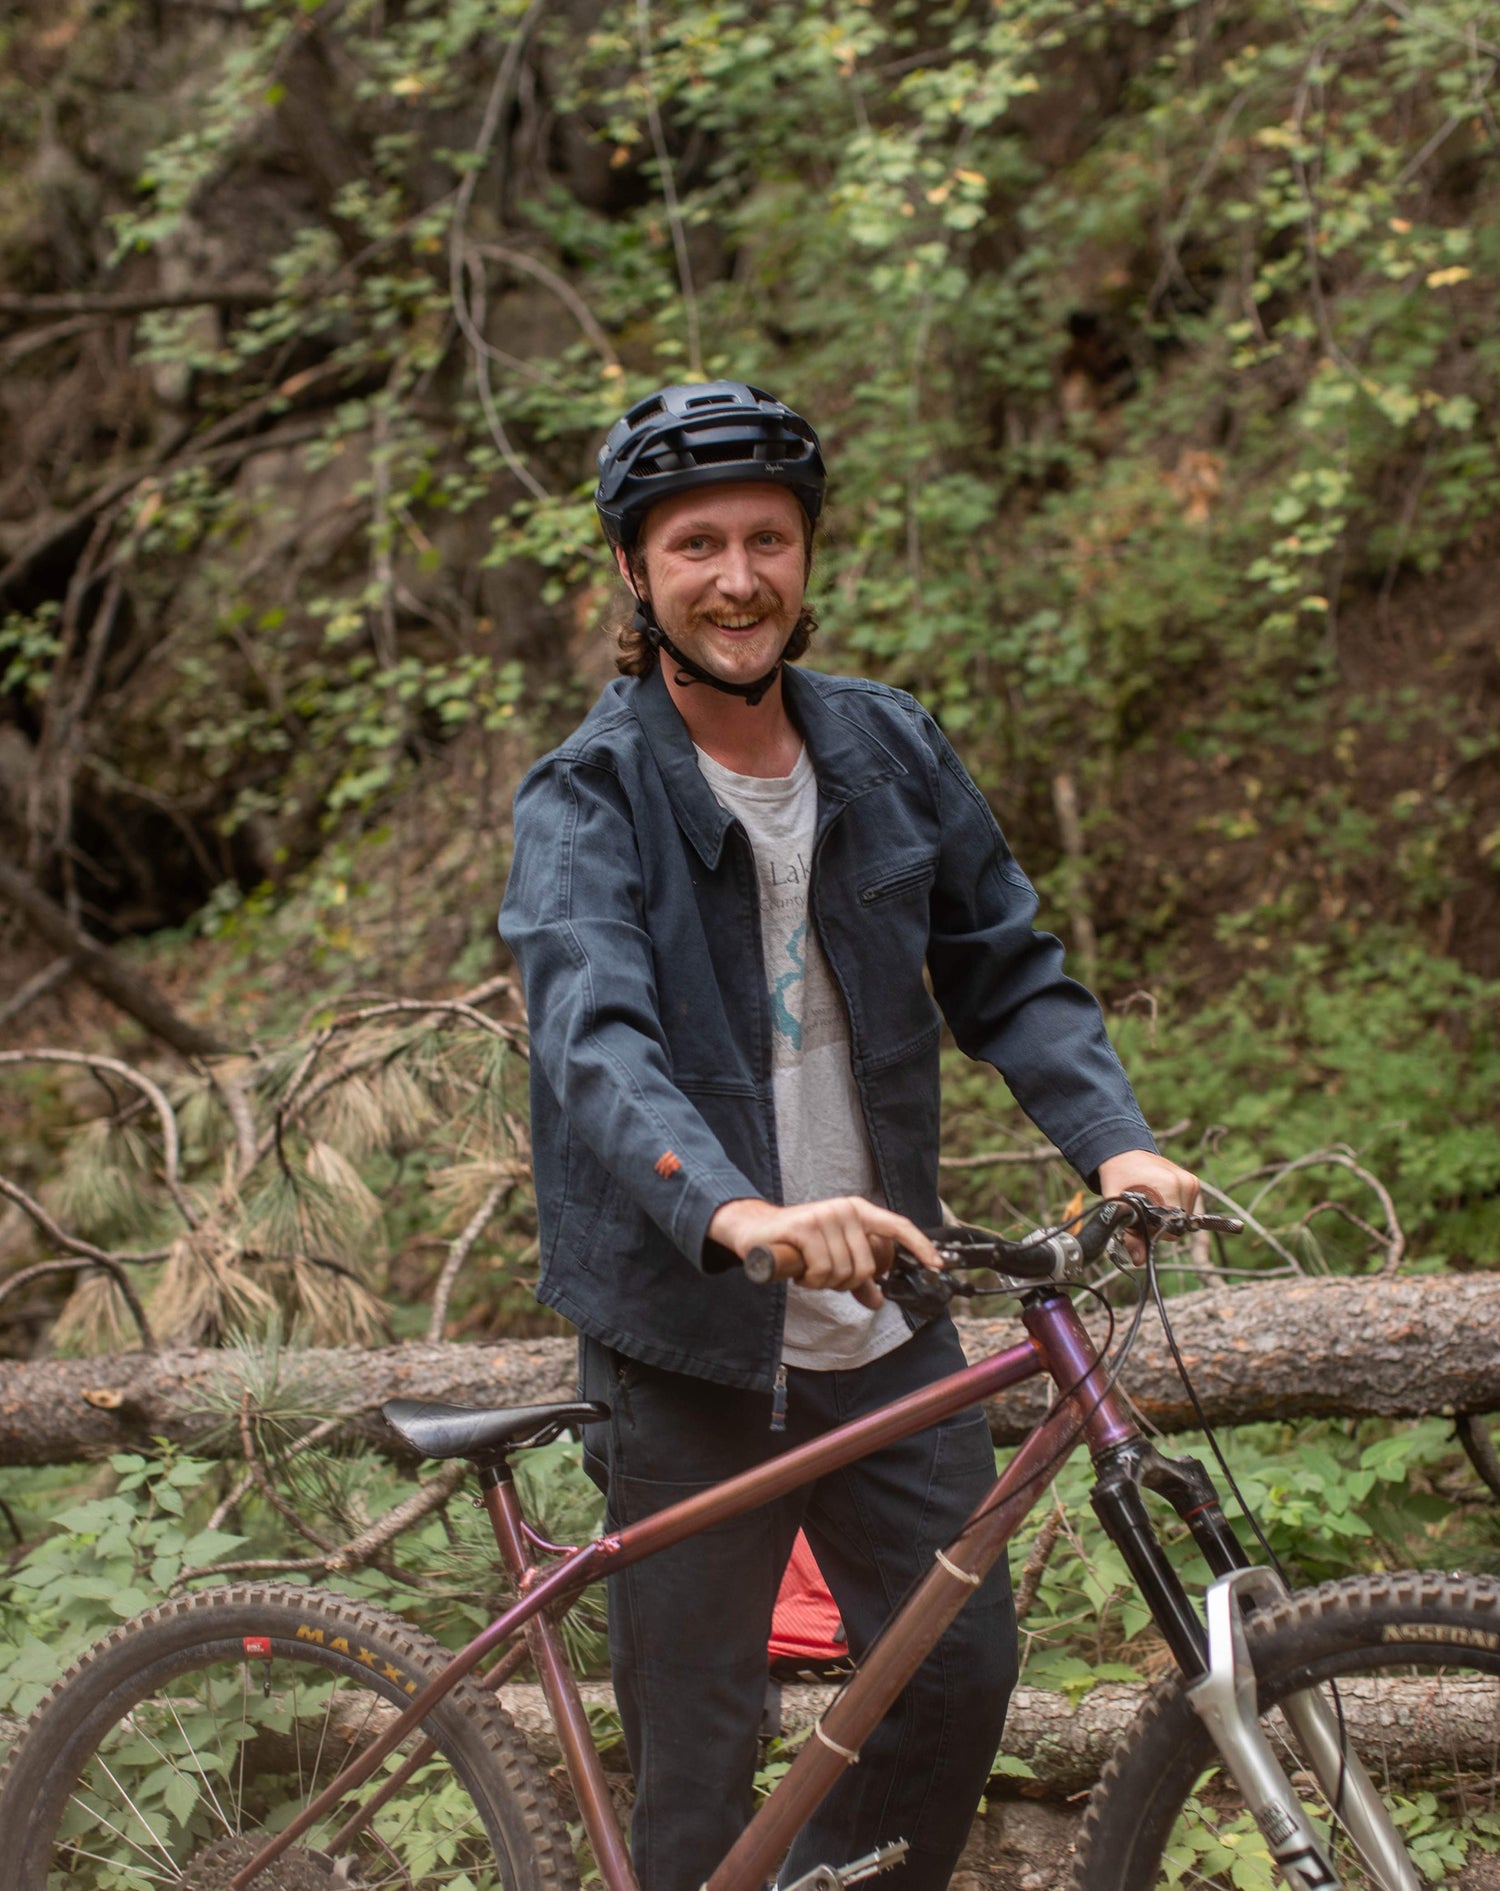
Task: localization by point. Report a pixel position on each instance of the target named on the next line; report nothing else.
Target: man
(729, 890)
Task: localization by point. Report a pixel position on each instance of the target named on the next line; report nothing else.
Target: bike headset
(709, 433)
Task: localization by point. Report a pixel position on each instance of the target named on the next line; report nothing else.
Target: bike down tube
(895, 1657)
(782, 1474)
(1090, 1408)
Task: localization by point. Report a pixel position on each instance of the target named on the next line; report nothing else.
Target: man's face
(725, 571)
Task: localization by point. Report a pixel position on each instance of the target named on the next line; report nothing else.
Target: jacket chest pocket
(909, 876)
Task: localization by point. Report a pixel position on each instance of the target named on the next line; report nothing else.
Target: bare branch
(461, 259)
(1043, 1152)
(996, 1158)
(1036, 1562)
(560, 287)
(32, 340)
(459, 1252)
(48, 979)
(107, 974)
(153, 1094)
(669, 189)
(227, 295)
(1395, 1238)
(429, 1498)
(231, 1090)
(1227, 1201)
(70, 1243)
(360, 1550)
(110, 1265)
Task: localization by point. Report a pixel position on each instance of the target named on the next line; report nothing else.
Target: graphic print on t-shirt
(787, 991)
(806, 1012)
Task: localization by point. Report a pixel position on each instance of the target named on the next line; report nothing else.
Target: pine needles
(277, 1187)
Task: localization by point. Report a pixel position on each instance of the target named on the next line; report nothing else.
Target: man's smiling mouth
(739, 621)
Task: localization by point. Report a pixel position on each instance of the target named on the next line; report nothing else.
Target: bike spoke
(114, 1864)
(199, 1777)
(98, 1818)
(150, 1830)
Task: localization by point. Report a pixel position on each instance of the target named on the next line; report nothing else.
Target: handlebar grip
(778, 1260)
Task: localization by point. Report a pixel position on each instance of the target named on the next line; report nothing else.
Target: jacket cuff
(1113, 1137)
(688, 1218)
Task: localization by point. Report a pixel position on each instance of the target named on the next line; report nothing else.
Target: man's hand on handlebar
(844, 1243)
(1142, 1172)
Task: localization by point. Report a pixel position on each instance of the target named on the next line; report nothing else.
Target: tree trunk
(133, 994)
(1354, 1348)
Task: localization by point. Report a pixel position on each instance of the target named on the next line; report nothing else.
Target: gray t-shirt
(820, 1129)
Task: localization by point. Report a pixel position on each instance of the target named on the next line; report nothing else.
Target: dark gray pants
(688, 1628)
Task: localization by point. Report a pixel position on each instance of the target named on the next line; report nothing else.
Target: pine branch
(153, 1093)
(109, 1263)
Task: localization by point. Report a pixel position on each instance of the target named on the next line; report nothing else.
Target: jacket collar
(847, 758)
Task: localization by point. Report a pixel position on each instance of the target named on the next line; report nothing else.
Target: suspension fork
(1125, 1470)
(1221, 1677)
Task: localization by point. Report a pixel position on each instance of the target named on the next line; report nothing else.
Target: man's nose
(734, 576)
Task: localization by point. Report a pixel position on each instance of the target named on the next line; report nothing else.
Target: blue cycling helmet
(709, 433)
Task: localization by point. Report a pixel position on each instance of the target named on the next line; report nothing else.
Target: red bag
(805, 1625)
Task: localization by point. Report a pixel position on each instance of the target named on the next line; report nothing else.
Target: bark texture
(1411, 1724)
(1359, 1348)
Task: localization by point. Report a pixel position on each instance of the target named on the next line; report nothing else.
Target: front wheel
(1416, 1663)
(170, 1753)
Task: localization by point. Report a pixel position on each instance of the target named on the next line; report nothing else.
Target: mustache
(763, 604)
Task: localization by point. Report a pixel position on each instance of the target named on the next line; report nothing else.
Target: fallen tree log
(1414, 1724)
(1356, 1348)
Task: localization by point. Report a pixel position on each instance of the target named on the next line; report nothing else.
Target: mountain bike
(265, 1735)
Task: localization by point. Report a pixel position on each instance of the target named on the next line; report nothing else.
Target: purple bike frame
(1058, 1344)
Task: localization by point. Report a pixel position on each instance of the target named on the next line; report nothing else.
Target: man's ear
(624, 563)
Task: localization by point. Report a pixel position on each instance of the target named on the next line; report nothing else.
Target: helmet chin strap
(644, 622)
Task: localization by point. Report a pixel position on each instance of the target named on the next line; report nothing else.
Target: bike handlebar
(777, 1260)
(1048, 1254)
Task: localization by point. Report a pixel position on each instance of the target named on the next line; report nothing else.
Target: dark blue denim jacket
(633, 912)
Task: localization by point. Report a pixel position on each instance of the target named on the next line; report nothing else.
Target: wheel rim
(217, 1755)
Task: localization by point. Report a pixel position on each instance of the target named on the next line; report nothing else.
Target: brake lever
(1156, 1218)
(922, 1289)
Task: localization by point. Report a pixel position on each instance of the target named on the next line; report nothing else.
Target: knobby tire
(170, 1751)
(1418, 1657)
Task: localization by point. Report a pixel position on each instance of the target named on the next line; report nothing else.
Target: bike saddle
(436, 1430)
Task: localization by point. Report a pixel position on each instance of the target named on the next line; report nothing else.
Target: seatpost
(574, 1736)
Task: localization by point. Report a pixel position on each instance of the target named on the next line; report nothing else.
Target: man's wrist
(732, 1223)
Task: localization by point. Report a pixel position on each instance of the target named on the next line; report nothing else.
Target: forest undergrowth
(1154, 349)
